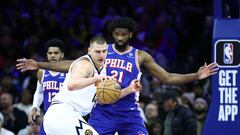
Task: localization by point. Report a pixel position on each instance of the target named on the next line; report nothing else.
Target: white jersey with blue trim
(82, 100)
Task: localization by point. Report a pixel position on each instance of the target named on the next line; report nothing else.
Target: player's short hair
(54, 42)
(98, 39)
(122, 22)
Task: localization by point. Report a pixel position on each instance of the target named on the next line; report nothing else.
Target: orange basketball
(108, 91)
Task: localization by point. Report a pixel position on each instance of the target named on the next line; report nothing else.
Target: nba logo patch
(228, 53)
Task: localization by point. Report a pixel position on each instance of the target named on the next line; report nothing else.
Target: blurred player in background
(123, 62)
(49, 82)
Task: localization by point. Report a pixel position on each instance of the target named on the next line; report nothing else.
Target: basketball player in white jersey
(75, 99)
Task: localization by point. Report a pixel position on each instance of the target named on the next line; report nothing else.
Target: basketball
(108, 91)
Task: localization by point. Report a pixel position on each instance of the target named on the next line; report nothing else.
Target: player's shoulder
(82, 62)
(144, 57)
(143, 54)
(40, 74)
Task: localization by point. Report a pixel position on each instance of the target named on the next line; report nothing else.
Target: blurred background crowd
(177, 33)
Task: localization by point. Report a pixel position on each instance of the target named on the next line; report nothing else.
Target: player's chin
(101, 62)
(120, 43)
(52, 60)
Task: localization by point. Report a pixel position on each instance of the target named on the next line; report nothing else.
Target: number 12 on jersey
(51, 95)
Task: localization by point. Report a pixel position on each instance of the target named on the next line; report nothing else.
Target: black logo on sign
(227, 53)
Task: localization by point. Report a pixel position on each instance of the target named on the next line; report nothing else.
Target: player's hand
(32, 116)
(135, 85)
(26, 64)
(102, 78)
(207, 70)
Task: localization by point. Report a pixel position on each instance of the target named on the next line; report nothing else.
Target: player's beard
(122, 47)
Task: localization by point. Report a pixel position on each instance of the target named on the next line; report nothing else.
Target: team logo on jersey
(88, 132)
(130, 55)
(228, 53)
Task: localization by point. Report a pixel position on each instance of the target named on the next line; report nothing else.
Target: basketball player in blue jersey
(49, 82)
(123, 62)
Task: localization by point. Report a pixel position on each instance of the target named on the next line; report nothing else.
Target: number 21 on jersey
(117, 75)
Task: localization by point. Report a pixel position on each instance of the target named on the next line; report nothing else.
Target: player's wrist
(34, 109)
(197, 76)
(96, 79)
(37, 65)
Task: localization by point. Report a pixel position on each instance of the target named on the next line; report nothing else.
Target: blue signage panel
(224, 117)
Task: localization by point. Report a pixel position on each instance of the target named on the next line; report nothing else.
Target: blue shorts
(108, 122)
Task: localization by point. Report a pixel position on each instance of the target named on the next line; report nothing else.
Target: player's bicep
(39, 75)
(81, 69)
(154, 69)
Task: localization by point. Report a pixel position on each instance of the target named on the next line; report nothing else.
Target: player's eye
(104, 51)
(97, 51)
(125, 34)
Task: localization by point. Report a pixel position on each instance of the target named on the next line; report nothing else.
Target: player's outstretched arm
(174, 78)
(134, 86)
(30, 64)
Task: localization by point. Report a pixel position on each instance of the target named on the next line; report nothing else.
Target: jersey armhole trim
(42, 78)
(136, 60)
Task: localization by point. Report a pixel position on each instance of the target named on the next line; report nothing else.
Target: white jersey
(82, 100)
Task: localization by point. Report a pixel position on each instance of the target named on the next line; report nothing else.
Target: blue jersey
(124, 115)
(125, 68)
(51, 84)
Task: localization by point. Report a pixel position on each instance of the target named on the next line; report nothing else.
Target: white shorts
(61, 119)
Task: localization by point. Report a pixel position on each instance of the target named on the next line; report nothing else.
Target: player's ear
(62, 56)
(89, 49)
(130, 34)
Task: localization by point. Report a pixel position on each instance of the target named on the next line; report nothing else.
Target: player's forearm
(81, 83)
(37, 101)
(38, 96)
(174, 78)
(61, 66)
(125, 92)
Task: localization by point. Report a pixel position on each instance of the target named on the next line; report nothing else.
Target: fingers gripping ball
(108, 92)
